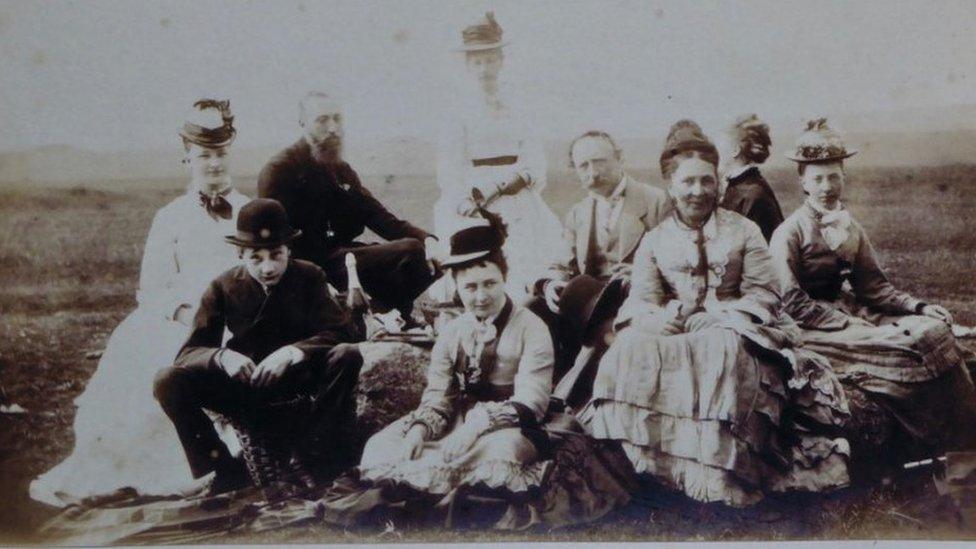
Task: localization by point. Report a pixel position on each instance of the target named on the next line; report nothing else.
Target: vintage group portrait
(486, 271)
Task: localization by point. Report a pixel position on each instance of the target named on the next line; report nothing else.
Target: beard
(326, 151)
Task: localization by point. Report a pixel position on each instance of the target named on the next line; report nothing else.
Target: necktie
(217, 205)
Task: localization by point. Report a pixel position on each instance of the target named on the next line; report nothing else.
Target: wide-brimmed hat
(262, 223)
(587, 302)
(483, 34)
(819, 143)
(209, 124)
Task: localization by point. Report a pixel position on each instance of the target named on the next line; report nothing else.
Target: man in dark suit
(286, 353)
(325, 199)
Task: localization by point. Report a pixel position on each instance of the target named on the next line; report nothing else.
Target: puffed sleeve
(760, 295)
(648, 295)
(437, 402)
(787, 265)
(160, 271)
(870, 284)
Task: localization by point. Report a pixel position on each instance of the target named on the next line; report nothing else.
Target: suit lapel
(631, 225)
(585, 237)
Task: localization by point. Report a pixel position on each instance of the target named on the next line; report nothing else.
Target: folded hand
(275, 365)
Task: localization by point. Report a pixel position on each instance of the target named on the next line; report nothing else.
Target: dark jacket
(297, 311)
(329, 216)
(750, 195)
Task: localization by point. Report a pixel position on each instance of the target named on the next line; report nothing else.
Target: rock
(390, 383)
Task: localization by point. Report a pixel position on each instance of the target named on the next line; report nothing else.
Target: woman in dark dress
(746, 190)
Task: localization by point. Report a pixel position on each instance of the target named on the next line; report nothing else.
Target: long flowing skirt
(122, 436)
(913, 367)
(703, 413)
(509, 479)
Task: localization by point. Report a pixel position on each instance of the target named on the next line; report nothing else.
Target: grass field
(69, 262)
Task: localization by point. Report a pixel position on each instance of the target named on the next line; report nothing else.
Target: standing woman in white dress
(122, 437)
(489, 149)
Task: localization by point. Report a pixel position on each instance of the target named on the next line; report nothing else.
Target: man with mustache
(325, 199)
(600, 234)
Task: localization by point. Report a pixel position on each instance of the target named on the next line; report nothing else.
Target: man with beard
(326, 201)
(600, 235)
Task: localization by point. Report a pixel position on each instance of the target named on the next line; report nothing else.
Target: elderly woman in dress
(488, 149)
(122, 438)
(695, 384)
(896, 348)
(746, 190)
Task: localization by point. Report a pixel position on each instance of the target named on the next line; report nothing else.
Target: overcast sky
(114, 75)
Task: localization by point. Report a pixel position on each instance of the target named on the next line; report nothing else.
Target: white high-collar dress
(484, 148)
(122, 436)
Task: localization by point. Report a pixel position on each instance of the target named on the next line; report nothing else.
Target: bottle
(356, 299)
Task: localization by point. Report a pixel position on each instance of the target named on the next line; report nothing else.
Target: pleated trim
(512, 476)
(714, 443)
(697, 480)
(816, 391)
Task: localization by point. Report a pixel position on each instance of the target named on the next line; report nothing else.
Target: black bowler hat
(262, 223)
(587, 302)
(478, 240)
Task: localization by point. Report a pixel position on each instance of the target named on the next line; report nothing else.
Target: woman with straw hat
(122, 437)
(487, 154)
(896, 348)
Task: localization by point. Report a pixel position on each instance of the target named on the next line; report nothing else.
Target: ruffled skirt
(556, 476)
(703, 413)
(914, 368)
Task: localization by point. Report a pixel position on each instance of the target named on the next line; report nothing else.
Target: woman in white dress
(122, 437)
(489, 149)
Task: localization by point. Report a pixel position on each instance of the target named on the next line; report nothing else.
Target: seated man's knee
(166, 384)
(410, 249)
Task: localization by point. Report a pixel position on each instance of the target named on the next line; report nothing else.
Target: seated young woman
(695, 385)
(897, 349)
(122, 438)
(483, 425)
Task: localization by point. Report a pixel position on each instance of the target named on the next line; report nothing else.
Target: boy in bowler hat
(285, 378)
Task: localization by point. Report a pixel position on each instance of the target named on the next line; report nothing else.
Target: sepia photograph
(487, 271)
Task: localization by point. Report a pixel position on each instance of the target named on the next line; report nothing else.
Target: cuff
(433, 420)
(492, 416)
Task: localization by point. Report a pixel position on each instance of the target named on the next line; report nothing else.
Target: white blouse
(185, 250)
